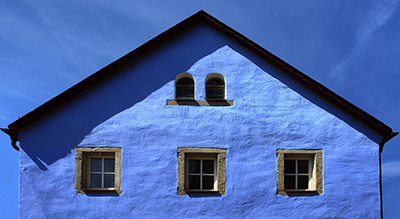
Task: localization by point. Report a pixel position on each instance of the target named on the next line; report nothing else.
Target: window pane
(185, 88)
(194, 182)
(215, 81)
(215, 92)
(185, 98)
(302, 166)
(215, 97)
(208, 166)
(208, 182)
(302, 182)
(109, 181)
(215, 89)
(290, 166)
(95, 180)
(185, 81)
(194, 166)
(184, 92)
(95, 165)
(290, 182)
(109, 165)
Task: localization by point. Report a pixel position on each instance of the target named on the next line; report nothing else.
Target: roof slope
(203, 17)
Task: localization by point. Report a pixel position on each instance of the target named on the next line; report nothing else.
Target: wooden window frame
(201, 173)
(178, 86)
(103, 172)
(310, 174)
(215, 87)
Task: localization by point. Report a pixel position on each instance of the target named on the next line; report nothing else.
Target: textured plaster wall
(129, 110)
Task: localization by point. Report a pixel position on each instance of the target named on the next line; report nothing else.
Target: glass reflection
(95, 165)
(194, 182)
(194, 166)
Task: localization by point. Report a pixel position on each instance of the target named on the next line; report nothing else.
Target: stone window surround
(81, 161)
(317, 172)
(221, 169)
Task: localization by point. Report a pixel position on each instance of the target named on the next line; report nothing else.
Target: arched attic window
(215, 87)
(184, 87)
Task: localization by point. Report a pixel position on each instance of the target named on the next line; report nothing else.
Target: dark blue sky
(351, 47)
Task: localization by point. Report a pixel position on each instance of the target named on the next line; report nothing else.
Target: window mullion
(201, 174)
(310, 165)
(89, 170)
(102, 172)
(215, 173)
(296, 174)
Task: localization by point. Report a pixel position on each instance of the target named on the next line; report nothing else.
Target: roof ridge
(202, 16)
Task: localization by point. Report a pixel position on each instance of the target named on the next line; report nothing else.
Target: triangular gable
(201, 17)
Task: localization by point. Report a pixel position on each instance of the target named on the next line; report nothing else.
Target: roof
(203, 17)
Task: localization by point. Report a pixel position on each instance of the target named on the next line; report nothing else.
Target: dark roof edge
(201, 16)
(13, 137)
(104, 73)
(309, 83)
(386, 139)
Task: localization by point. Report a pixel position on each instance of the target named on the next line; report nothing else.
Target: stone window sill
(208, 193)
(298, 193)
(199, 102)
(101, 191)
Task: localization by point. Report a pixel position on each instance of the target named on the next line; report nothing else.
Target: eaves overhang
(203, 17)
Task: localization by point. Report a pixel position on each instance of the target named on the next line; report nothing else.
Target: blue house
(199, 121)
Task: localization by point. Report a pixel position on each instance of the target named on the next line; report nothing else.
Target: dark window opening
(297, 174)
(215, 89)
(201, 174)
(184, 89)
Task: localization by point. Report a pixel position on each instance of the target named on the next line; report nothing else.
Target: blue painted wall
(129, 110)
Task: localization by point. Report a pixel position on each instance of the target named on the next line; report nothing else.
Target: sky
(351, 47)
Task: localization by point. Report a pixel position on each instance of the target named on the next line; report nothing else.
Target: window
(215, 91)
(184, 87)
(201, 171)
(98, 170)
(101, 172)
(215, 87)
(299, 172)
